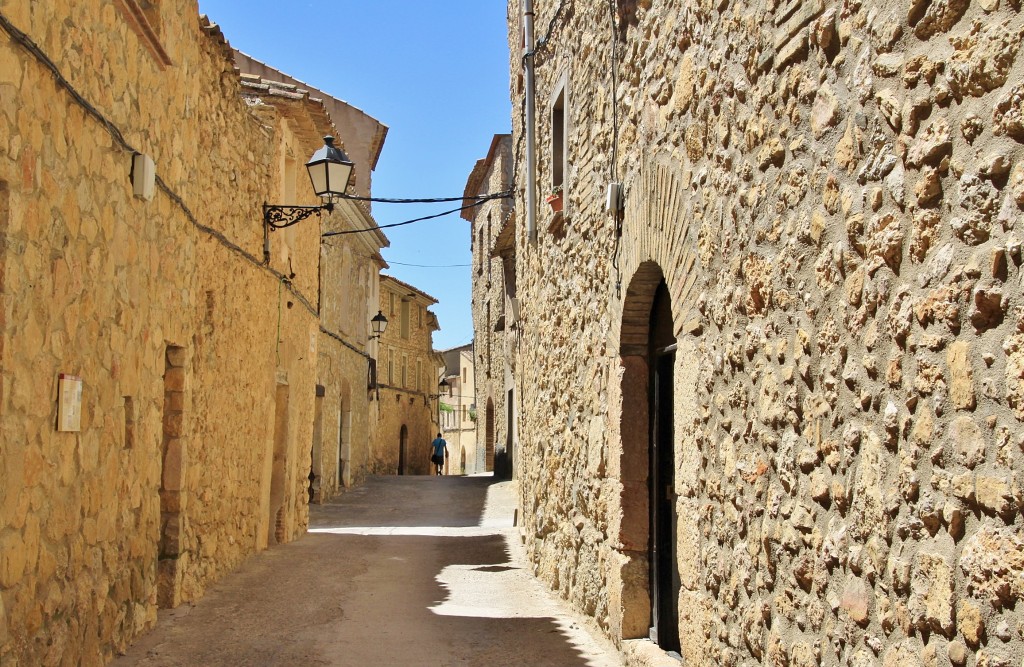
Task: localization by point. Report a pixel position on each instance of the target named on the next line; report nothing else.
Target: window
(464, 413)
(489, 238)
(391, 303)
(405, 371)
(371, 375)
(288, 176)
(480, 253)
(558, 139)
(419, 316)
(391, 367)
(405, 320)
(419, 375)
(559, 134)
(144, 18)
(463, 375)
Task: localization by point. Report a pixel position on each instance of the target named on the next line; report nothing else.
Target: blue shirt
(439, 446)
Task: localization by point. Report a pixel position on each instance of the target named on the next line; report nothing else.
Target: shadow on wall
(502, 464)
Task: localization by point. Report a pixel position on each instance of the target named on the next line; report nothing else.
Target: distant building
(406, 382)
(495, 306)
(458, 412)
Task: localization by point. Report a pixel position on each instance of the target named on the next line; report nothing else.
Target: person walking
(440, 452)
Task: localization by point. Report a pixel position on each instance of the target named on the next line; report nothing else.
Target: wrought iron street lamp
(329, 171)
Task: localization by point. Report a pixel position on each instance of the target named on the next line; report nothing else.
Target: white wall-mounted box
(143, 176)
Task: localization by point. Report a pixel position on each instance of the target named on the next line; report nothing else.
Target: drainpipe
(531, 156)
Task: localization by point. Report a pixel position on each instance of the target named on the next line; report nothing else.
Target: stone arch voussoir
(659, 241)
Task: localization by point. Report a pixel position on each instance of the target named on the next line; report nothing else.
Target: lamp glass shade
(378, 323)
(444, 388)
(329, 169)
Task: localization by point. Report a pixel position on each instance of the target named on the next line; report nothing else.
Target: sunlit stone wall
(834, 194)
(197, 359)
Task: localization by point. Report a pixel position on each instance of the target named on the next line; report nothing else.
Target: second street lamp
(378, 323)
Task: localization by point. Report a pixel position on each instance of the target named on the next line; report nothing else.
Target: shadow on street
(398, 588)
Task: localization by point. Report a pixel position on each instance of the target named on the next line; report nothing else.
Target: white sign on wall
(69, 403)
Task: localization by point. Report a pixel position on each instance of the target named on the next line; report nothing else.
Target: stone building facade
(803, 329)
(495, 304)
(344, 426)
(158, 361)
(350, 264)
(458, 413)
(408, 369)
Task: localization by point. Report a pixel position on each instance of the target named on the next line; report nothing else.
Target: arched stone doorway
(345, 461)
(489, 436)
(650, 578)
(318, 486)
(403, 449)
(277, 518)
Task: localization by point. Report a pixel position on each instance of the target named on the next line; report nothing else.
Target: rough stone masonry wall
(834, 193)
(173, 332)
(342, 370)
(489, 305)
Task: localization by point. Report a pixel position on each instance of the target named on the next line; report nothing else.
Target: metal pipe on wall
(531, 156)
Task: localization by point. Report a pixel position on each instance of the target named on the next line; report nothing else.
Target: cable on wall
(26, 43)
(543, 41)
(617, 214)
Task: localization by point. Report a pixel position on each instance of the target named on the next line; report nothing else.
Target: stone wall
(832, 194)
(347, 282)
(493, 274)
(198, 361)
(341, 449)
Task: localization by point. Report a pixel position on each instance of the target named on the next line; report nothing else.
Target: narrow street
(400, 571)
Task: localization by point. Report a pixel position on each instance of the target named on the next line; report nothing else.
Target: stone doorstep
(645, 653)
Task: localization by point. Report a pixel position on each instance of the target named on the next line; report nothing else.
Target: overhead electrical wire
(433, 200)
(430, 266)
(484, 199)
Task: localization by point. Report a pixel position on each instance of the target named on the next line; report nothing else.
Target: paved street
(400, 571)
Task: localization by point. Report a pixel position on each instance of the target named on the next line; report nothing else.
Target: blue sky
(436, 73)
